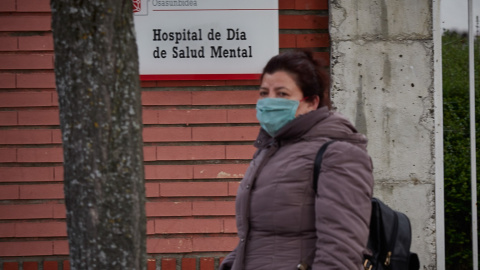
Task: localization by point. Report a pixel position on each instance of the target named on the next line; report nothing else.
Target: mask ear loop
(303, 99)
(308, 98)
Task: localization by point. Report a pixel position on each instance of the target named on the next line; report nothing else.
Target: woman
(281, 221)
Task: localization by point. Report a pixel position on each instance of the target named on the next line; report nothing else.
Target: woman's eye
(281, 94)
(263, 93)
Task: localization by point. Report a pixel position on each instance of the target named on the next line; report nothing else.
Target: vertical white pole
(472, 135)
(439, 158)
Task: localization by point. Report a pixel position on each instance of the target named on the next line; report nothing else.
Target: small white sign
(205, 39)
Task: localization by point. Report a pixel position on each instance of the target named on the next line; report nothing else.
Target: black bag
(390, 234)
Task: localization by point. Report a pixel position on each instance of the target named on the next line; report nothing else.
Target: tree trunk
(96, 68)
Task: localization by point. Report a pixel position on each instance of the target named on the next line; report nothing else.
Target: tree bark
(96, 69)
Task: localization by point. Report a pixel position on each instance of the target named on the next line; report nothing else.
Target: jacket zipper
(272, 149)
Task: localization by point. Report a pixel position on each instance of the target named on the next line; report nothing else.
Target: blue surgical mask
(275, 113)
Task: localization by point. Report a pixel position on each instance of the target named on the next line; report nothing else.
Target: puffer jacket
(281, 222)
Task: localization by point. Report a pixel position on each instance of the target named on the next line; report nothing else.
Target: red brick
(36, 43)
(313, 40)
(10, 266)
(224, 97)
(26, 61)
(7, 80)
(167, 134)
(60, 248)
(168, 209)
(229, 225)
(39, 117)
(207, 171)
(36, 80)
(31, 248)
(303, 22)
(168, 172)
(8, 44)
(34, 192)
(287, 41)
(189, 264)
(207, 263)
(50, 265)
(8, 118)
(188, 225)
(168, 264)
(152, 190)
(8, 155)
(37, 6)
(150, 227)
(150, 117)
(240, 151)
(166, 98)
(26, 174)
(58, 173)
(151, 264)
(224, 133)
(41, 229)
(233, 187)
(213, 208)
(191, 116)
(55, 99)
(59, 211)
(10, 192)
(25, 99)
(242, 116)
(207, 116)
(169, 245)
(66, 265)
(286, 4)
(195, 189)
(149, 153)
(196, 152)
(25, 23)
(172, 116)
(40, 155)
(30, 265)
(26, 211)
(311, 4)
(7, 230)
(56, 136)
(214, 243)
(26, 136)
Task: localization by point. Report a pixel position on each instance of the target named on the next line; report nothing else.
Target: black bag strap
(318, 164)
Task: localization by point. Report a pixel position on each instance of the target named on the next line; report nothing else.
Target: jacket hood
(316, 124)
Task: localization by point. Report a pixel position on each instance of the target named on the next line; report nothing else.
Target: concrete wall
(382, 63)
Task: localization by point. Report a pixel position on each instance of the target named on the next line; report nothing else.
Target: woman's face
(281, 84)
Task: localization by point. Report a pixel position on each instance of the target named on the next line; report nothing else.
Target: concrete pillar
(383, 80)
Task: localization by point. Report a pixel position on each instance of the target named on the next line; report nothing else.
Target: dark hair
(307, 72)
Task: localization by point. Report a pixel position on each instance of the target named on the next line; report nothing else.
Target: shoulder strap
(318, 164)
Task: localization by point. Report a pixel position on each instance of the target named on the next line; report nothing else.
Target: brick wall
(197, 134)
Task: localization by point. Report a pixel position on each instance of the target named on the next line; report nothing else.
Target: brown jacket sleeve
(343, 207)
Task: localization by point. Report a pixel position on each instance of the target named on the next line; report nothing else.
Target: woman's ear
(314, 101)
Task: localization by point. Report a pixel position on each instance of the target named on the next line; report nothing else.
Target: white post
(472, 135)
(439, 157)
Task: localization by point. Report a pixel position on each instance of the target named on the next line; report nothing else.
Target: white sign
(205, 39)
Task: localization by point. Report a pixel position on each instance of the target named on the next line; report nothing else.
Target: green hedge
(457, 147)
